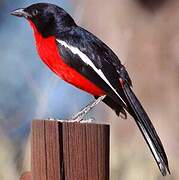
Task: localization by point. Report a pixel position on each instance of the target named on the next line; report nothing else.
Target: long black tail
(148, 131)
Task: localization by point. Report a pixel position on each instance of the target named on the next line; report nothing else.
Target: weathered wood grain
(69, 151)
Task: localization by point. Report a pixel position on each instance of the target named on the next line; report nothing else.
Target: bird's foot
(73, 120)
(82, 120)
(59, 120)
(90, 120)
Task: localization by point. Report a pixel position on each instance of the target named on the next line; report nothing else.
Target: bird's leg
(80, 115)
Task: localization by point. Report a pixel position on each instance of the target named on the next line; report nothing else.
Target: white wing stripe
(86, 60)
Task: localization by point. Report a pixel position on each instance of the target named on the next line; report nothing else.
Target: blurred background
(145, 36)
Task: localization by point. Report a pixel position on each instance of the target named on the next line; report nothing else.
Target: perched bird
(83, 60)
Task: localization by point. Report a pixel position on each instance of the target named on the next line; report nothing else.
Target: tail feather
(147, 129)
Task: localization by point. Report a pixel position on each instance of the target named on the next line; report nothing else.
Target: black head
(48, 19)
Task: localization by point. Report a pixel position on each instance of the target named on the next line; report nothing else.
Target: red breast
(49, 53)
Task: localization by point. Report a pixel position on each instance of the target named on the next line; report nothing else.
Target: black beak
(20, 13)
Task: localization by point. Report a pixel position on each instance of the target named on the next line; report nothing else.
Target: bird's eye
(35, 12)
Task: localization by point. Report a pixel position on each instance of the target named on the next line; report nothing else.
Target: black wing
(100, 55)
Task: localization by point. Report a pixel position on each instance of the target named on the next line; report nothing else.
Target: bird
(83, 60)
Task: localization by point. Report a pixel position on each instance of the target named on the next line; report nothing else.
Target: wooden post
(69, 151)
